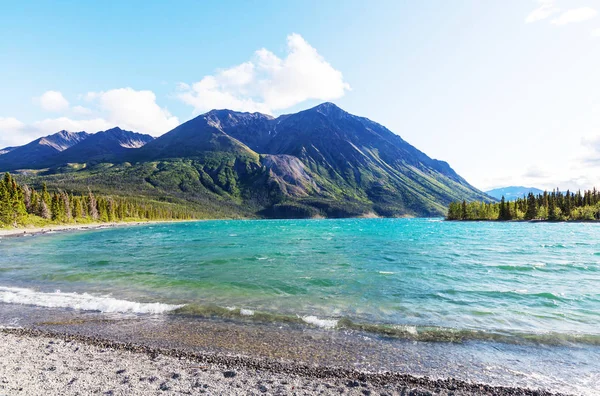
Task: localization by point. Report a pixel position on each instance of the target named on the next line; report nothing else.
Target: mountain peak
(329, 109)
(226, 119)
(115, 129)
(228, 112)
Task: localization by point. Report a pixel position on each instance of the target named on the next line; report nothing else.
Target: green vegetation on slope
(553, 206)
(21, 205)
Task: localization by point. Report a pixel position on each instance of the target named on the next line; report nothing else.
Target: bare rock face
(290, 174)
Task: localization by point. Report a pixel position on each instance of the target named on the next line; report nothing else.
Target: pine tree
(92, 206)
(55, 208)
(464, 214)
(66, 207)
(531, 207)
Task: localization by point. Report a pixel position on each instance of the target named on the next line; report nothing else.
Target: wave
(215, 311)
(401, 331)
(445, 334)
(324, 323)
(84, 301)
(106, 304)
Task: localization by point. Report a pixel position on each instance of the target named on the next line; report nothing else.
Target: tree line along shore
(549, 206)
(21, 206)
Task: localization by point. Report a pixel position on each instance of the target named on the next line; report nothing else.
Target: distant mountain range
(72, 147)
(513, 192)
(318, 162)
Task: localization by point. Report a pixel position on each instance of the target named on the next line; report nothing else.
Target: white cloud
(11, 131)
(134, 110)
(10, 124)
(124, 107)
(53, 101)
(268, 83)
(575, 15)
(52, 125)
(545, 10)
(14, 132)
(595, 32)
(81, 110)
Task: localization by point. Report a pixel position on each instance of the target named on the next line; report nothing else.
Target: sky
(507, 92)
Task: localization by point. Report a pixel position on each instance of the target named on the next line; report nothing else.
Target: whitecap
(386, 273)
(409, 329)
(80, 301)
(324, 323)
(246, 312)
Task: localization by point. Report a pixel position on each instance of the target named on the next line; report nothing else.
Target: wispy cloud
(548, 8)
(267, 83)
(545, 10)
(575, 15)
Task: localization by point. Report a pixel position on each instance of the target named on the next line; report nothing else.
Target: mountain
(40, 152)
(73, 147)
(105, 146)
(513, 192)
(319, 162)
(312, 161)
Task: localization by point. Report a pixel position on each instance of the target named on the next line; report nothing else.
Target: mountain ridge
(321, 161)
(41, 150)
(105, 145)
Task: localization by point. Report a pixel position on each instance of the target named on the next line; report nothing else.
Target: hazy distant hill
(513, 192)
(318, 162)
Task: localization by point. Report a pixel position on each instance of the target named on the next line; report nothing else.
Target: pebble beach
(43, 363)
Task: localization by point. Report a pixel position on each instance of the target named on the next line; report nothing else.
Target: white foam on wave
(246, 312)
(386, 272)
(409, 329)
(83, 301)
(324, 323)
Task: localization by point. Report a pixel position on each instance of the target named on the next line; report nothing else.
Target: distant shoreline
(520, 221)
(29, 231)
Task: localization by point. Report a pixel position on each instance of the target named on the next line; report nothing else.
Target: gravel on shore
(34, 362)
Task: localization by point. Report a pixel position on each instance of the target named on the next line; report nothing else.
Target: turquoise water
(422, 278)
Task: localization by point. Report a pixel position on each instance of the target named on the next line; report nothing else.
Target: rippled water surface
(412, 276)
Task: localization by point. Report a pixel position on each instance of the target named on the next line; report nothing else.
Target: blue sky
(508, 92)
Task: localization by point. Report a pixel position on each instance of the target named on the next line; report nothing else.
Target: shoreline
(30, 231)
(106, 363)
